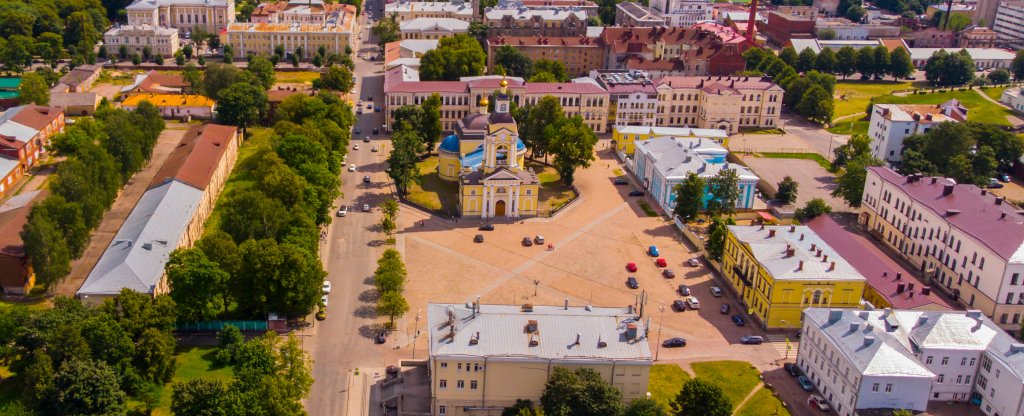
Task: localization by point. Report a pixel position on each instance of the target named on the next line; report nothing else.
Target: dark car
(805, 383)
(679, 305)
(668, 273)
(674, 342)
(366, 139)
(357, 131)
(381, 337)
(752, 339)
(369, 98)
(527, 242)
(632, 283)
(792, 369)
(621, 181)
(636, 193)
(738, 320)
(366, 179)
(1003, 177)
(376, 130)
(377, 109)
(724, 309)
(479, 238)
(369, 106)
(684, 290)
(486, 227)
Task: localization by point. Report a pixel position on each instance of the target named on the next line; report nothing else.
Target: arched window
(817, 297)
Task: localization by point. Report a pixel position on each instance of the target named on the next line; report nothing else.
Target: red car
(631, 267)
(661, 263)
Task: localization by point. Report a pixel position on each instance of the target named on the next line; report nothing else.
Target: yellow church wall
(467, 146)
(528, 199)
(448, 166)
(471, 199)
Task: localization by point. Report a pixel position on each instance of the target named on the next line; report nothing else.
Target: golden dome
(484, 102)
(504, 83)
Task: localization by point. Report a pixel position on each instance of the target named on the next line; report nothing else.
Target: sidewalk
(361, 392)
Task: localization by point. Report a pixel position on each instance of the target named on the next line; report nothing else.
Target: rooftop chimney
(910, 286)
(832, 267)
(577, 339)
(900, 287)
(854, 326)
(566, 304)
(792, 228)
(771, 233)
(813, 246)
(999, 200)
(947, 190)
(801, 266)
(926, 290)
(899, 276)
(868, 340)
(934, 179)
(790, 252)
(834, 315)
(1016, 348)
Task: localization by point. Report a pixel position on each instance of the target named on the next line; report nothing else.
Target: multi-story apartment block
(903, 359)
(844, 29)
(634, 99)
(184, 15)
(262, 38)
(25, 131)
(297, 11)
(1009, 23)
(682, 13)
(402, 86)
(408, 10)
(432, 28)
(160, 40)
(778, 271)
(485, 357)
(964, 240)
(579, 54)
(703, 49)
(635, 15)
(891, 123)
(726, 103)
(522, 21)
(588, 7)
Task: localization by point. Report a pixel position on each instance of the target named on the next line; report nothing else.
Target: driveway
(800, 137)
(815, 182)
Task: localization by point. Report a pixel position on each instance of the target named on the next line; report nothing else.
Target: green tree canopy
(572, 143)
(516, 64)
(33, 89)
(701, 398)
(242, 105)
(579, 393)
(406, 146)
(197, 284)
(454, 57)
(787, 189)
(689, 197)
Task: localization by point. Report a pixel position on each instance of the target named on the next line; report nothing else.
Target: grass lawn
(302, 77)
(553, 193)
(762, 403)
(980, 109)
(824, 163)
(851, 126)
(433, 192)
(647, 209)
(736, 378)
(774, 130)
(665, 382)
(240, 179)
(858, 94)
(994, 92)
(117, 77)
(193, 362)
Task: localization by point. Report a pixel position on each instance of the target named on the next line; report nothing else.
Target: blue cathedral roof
(450, 144)
(473, 159)
(519, 144)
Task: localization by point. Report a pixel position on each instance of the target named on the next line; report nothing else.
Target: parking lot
(815, 182)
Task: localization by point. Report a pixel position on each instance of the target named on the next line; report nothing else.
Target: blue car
(653, 251)
(738, 320)
(805, 383)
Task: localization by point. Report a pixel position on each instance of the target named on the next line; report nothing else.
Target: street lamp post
(535, 284)
(661, 320)
(416, 333)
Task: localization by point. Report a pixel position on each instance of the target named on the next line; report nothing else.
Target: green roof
(9, 83)
(8, 94)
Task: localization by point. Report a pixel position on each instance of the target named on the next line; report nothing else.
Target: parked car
(692, 302)
(356, 147)
(679, 305)
(369, 97)
(369, 106)
(375, 149)
(366, 179)
(632, 282)
(357, 131)
(352, 168)
(668, 273)
(376, 131)
(674, 342)
(724, 310)
(751, 339)
(539, 239)
(636, 193)
(1003, 177)
(661, 263)
(366, 139)
(377, 109)
(693, 262)
(381, 337)
(792, 369)
(994, 183)
(805, 383)
(486, 227)
(684, 290)
(716, 291)
(738, 320)
(366, 207)
(323, 300)
(479, 238)
(326, 287)
(343, 211)
(527, 242)
(818, 402)
(653, 251)
(631, 267)
(621, 181)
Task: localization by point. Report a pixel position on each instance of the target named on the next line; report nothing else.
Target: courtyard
(814, 180)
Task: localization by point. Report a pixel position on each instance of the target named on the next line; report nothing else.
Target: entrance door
(499, 209)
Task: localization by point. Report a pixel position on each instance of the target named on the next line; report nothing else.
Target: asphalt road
(344, 341)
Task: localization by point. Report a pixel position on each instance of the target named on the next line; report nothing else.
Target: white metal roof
(18, 131)
(544, 14)
(871, 349)
(7, 165)
(976, 53)
(672, 131)
(677, 157)
(153, 4)
(423, 24)
(769, 246)
(429, 6)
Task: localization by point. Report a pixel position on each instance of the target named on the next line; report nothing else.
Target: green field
(763, 403)
(553, 193)
(980, 109)
(735, 378)
(302, 77)
(824, 163)
(850, 126)
(852, 97)
(193, 363)
(433, 192)
(665, 382)
(995, 92)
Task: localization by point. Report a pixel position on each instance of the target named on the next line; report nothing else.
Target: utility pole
(416, 334)
(535, 284)
(661, 320)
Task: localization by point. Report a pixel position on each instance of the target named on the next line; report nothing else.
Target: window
(443, 384)
(945, 360)
(963, 361)
(888, 387)
(972, 362)
(986, 362)
(441, 410)
(874, 387)
(967, 380)
(941, 377)
(444, 365)
(460, 367)
(959, 379)
(461, 384)
(472, 384)
(928, 360)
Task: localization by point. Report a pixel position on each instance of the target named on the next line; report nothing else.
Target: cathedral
(487, 157)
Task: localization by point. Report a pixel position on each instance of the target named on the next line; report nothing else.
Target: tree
(218, 77)
(386, 30)
(723, 191)
(789, 56)
(228, 54)
(689, 197)
(251, 214)
(881, 61)
(812, 209)
(197, 284)
(454, 57)
(199, 397)
(229, 340)
(242, 104)
(387, 226)
(263, 70)
(389, 207)
(644, 407)
(392, 305)
(516, 64)
(553, 67)
(716, 236)
(580, 392)
(81, 30)
(430, 127)
(787, 189)
(179, 59)
(826, 61)
(817, 104)
(391, 274)
(187, 51)
(850, 182)
(701, 398)
(87, 387)
(336, 78)
(859, 145)
(47, 250)
(902, 412)
(406, 146)
(900, 65)
(866, 61)
(999, 76)
(154, 355)
(33, 89)
(1017, 65)
(806, 60)
(846, 61)
(855, 13)
(547, 112)
(572, 143)
(934, 68)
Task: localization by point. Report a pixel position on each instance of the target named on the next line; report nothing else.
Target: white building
(966, 241)
(662, 163)
(902, 359)
(1013, 98)
(408, 10)
(160, 40)
(682, 13)
(1009, 23)
(984, 58)
(846, 30)
(634, 99)
(184, 15)
(891, 123)
(432, 28)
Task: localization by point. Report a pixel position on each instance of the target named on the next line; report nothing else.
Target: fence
(215, 326)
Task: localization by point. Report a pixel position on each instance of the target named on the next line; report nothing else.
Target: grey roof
(153, 4)
(976, 53)
(557, 14)
(18, 131)
(870, 347)
(8, 165)
(421, 24)
(677, 157)
(769, 246)
(502, 332)
(419, 46)
(431, 6)
(135, 258)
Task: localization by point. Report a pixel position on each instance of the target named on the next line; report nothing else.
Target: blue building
(662, 163)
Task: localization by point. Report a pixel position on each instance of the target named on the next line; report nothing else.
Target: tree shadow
(369, 295)
(366, 312)
(368, 280)
(375, 243)
(370, 330)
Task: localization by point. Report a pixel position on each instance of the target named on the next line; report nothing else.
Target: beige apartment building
(485, 357)
(556, 22)
(310, 12)
(184, 15)
(408, 10)
(160, 40)
(262, 38)
(402, 86)
(726, 103)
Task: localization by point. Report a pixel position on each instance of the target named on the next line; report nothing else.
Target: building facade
(964, 240)
(633, 97)
(702, 49)
(432, 28)
(1013, 98)
(25, 132)
(408, 10)
(844, 29)
(174, 105)
(724, 103)
(305, 12)
(160, 40)
(778, 271)
(184, 15)
(16, 274)
(891, 123)
(578, 54)
(626, 137)
(633, 14)
(662, 163)
(984, 58)
(519, 22)
(1009, 23)
(485, 357)
(682, 13)
(262, 38)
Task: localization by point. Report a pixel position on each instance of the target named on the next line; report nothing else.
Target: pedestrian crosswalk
(778, 342)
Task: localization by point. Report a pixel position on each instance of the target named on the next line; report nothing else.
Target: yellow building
(777, 271)
(174, 105)
(262, 38)
(487, 157)
(626, 136)
(485, 357)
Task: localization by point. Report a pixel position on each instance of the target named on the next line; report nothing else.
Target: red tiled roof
(197, 156)
(880, 269)
(392, 51)
(493, 83)
(978, 216)
(37, 116)
(563, 87)
(11, 223)
(545, 41)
